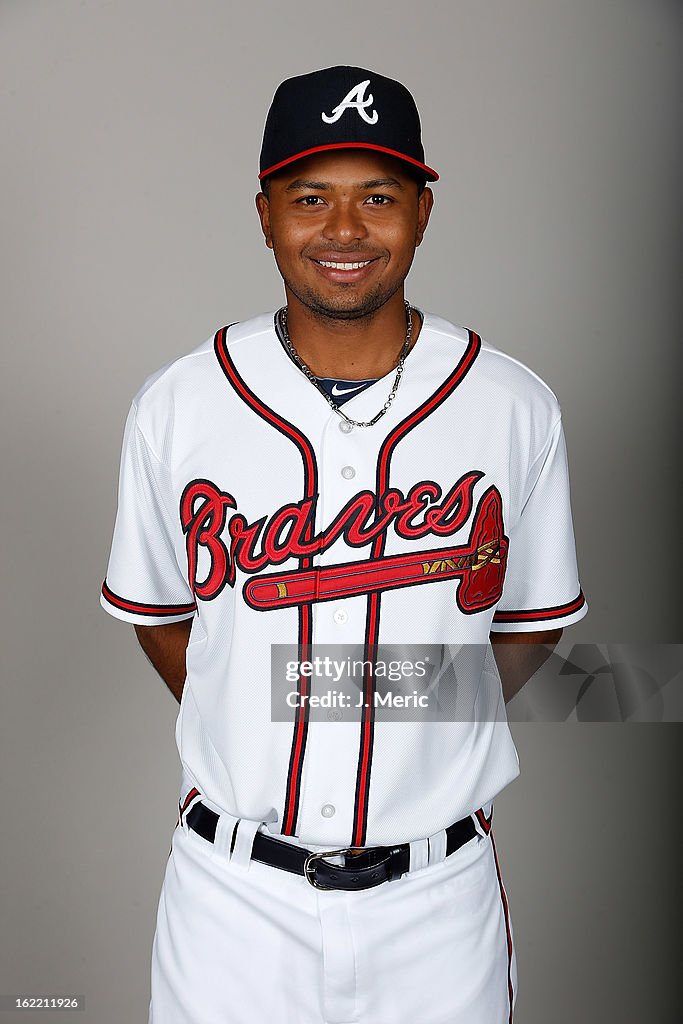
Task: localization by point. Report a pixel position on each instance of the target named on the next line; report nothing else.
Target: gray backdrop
(131, 132)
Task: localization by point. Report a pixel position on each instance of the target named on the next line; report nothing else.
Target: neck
(367, 347)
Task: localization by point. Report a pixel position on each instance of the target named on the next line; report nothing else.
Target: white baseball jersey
(248, 504)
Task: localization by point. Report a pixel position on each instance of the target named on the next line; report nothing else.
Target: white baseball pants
(239, 942)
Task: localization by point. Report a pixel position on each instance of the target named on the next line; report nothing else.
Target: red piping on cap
(347, 145)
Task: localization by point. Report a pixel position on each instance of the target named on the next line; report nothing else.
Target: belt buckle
(309, 866)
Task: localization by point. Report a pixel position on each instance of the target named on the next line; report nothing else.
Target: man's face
(344, 207)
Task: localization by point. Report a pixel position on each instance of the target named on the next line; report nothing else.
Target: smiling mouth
(329, 265)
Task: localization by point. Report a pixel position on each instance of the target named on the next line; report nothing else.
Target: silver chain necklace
(282, 314)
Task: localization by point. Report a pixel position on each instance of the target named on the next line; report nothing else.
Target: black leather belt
(368, 867)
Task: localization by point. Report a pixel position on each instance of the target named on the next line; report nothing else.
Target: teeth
(343, 266)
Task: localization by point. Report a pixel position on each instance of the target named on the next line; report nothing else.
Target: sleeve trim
(140, 608)
(557, 611)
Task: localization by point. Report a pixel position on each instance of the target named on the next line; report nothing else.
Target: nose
(344, 224)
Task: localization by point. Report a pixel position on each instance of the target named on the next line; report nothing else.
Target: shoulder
(193, 372)
(499, 375)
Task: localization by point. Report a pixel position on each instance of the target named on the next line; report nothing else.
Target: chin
(348, 306)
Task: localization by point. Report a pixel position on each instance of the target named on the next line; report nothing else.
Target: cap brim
(429, 173)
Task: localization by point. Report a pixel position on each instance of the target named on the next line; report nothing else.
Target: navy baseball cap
(342, 108)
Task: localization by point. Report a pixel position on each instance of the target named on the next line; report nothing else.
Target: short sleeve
(541, 589)
(145, 583)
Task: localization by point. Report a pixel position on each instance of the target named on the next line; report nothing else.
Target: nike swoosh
(336, 390)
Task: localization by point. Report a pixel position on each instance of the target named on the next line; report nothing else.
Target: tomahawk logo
(354, 100)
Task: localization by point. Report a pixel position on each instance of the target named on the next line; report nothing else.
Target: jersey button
(328, 810)
(348, 472)
(340, 616)
(345, 427)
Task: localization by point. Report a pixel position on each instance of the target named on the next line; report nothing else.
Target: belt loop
(244, 840)
(225, 830)
(437, 847)
(419, 854)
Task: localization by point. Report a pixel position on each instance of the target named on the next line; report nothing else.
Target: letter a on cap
(354, 99)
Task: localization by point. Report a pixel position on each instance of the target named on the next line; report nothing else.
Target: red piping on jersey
(483, 820)
(139, 608)
(188, 800)
(348, 145)
(185, 804)
(372, 627)
(508, 933)
(296, 760)
(532, 614)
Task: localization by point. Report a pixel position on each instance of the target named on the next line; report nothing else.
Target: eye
(310, 200)
(383, 200)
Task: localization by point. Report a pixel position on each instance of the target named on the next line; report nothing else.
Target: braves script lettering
(289, 532)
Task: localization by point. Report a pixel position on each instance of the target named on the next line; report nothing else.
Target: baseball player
(347, 472)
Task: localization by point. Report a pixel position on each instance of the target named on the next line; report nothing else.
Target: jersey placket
(346, 467)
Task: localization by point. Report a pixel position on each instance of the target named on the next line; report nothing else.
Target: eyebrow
(382, 183)
(302, 185)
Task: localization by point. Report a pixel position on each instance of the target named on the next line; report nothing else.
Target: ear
(424, 209)
(263, 207)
